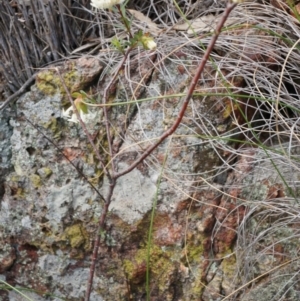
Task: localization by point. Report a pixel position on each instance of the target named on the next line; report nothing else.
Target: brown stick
(100, 229)
(14, 96)
(150, 149)
(172, 129)
(103, 165)
(112, 182)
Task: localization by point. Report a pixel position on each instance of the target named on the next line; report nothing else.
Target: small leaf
(80, 105)
(117, 44)
(76, 94)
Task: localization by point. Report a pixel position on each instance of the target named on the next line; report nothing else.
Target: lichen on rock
(76, 75)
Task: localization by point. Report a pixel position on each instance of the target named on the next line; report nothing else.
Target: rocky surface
(226, 221)
(49, 211)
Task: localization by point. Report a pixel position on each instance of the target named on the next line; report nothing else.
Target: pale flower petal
(67, 112)
(148, 42)
(73, 118)
(151, 45)
(83, 116)
(70, 115)
(103, 4)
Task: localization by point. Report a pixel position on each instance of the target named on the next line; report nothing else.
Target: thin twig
(124, 19)
(66, 157)
(112, 180)
(170, 131)
(105, 109)
(99, 231)
(14, 96)
(103, 165)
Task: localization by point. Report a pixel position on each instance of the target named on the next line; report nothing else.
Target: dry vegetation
(255, 70)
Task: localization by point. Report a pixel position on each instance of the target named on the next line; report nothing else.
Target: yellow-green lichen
(231, 280)
(197, 288)
(229, 266)
(35, 180)
(54, 126)
(45, 172)
(193, 258)
(160, 266)
(194, 248)
(49, 82)
(77, 236)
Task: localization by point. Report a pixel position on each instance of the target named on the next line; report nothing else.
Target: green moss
(195, 258)
(129, 267)
(195, 252)
(71, 78)
(194, 248)
(197, 288)
(46, 82)
(229, 266)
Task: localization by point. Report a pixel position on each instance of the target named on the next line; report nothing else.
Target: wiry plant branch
(103, 165)
(66, 157)
(14, 96)
(105, 108)
(113, 179)
(189, 94)
(100, 229)
(262, 48)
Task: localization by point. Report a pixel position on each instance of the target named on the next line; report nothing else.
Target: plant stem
(151, 148)
(125, 21)
(95, 149)
(172, 129)
(112, 179)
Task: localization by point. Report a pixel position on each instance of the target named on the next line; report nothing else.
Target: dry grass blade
(37, 33)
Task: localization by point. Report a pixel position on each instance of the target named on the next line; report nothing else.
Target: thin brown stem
(105, 108)
(103, 165)
(99, 231)
(14, 96)
(125, 21)
(147, 152)
(112, 180)
(172, 129)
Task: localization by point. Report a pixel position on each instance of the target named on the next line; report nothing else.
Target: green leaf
(117, 44)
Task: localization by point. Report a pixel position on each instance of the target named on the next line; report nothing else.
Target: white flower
(148, 42)
(67, 113)
(70, 115)
(103, 4)
(150, 45)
